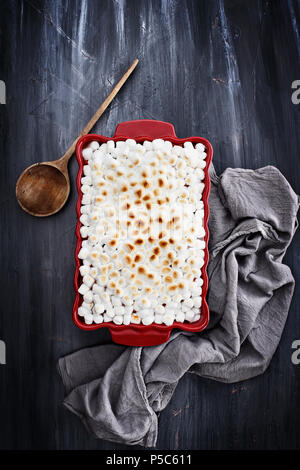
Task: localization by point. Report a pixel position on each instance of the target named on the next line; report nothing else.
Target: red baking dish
(142, 335)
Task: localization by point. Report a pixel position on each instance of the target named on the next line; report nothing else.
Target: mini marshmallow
(135, 318)
(82, 312)
(168, 319)
(97, 289)
(88, 296)
(196, 317)
(148, 145)
(105, 298)
(200, 147)
(157, 144)
(197, 301)
(93, 272)
(146, 302)
(180, 317)
(87, 153)
(98, 309)
(88, 280)
(87, 306)
(96, 299)
(119, 310)
(87, 171)
(126, 319)
(116, 301)
(158, 319)
(148, 320)
(118, 319)
(84, 231)
(84, 219)
(128, 310)
(85, 189)
(110, 145)
(86, 180)
(83, 289)
(84, 270)
(189, 303)
(188, 145)
(107, 318)
(88, 319)
(109, 312)
(131, 143)
(86, 199)
(94, 145)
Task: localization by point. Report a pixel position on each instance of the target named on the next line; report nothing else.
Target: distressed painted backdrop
(222, 69)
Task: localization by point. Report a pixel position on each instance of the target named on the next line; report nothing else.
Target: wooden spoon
(43, 188)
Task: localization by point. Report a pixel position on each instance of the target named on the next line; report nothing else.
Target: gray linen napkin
(118, 391)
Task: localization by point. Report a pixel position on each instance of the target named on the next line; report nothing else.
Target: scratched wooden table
(220, 69)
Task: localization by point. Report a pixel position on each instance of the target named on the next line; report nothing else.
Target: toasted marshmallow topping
(142, 229)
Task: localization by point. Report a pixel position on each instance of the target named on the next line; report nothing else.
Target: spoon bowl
(42, 189)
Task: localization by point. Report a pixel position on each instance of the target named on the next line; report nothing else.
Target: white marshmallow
(88, 319)
(189, 303)
(88, 280)
(148, 320)
(87, 306)
(106, 318)
(84, 270)
(98, 309)
(135, 318)
(189, 315)
(119, 310)
(94, 145)
(158, 319)
(168, 319)
(197, 301)
(126, 319)
(88, 296)
(87, 153)
(86, 180)
(85, 189)
(87, 170)
(118, 319)
(97, 289)
(160, 309)
(84, 231)
(93, 272)
(84, 219)
(109, 312)
(200, 147)
(180, 317)
(86, 199)
(128, 310)
(116, 301)
(96, 299)
(82, 312)
(83, 289)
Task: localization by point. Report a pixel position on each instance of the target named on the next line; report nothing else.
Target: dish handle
(131, 337)
(145, 128)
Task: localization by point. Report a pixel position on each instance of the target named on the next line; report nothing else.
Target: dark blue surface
(219, 69)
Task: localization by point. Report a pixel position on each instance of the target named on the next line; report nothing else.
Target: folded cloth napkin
(118, 391)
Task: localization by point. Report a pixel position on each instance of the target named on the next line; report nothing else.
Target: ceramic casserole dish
(139, 334)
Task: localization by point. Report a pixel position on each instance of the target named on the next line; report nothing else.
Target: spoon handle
(99, 112)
